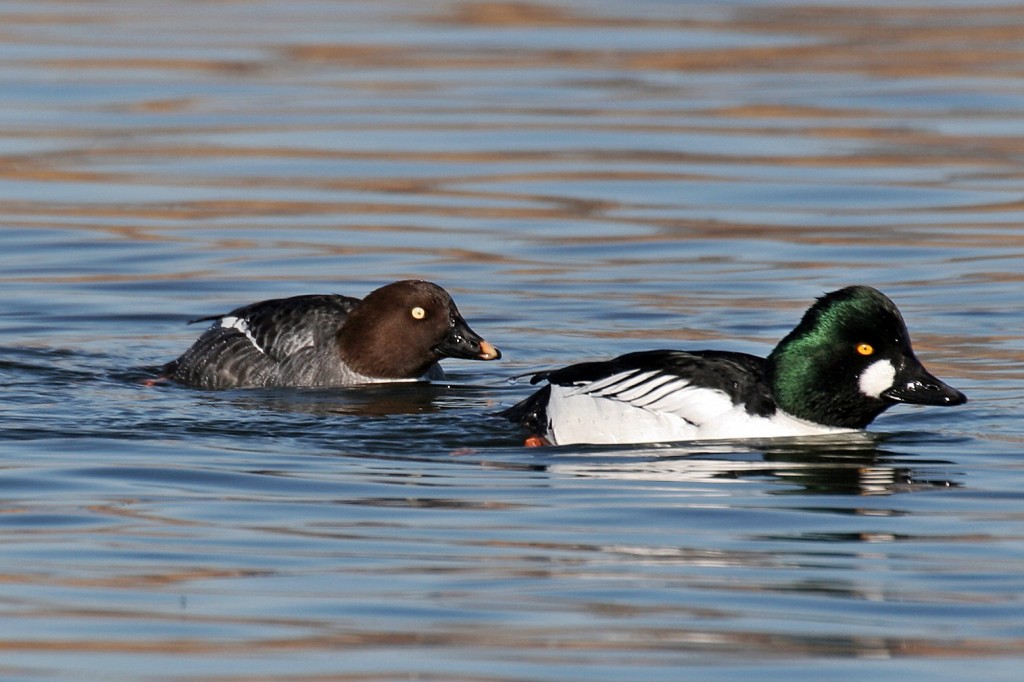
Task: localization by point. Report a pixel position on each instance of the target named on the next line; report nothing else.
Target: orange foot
(536, 442)
(155, 381)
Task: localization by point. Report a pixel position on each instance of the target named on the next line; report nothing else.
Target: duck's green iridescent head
(849, 359)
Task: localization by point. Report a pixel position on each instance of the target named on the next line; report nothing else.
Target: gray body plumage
(280, 342)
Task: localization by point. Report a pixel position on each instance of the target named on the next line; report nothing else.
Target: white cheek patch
(241, 325)
(877, 377)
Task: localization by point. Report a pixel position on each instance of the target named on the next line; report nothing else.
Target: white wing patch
(639, 388)
(239, 324)
(659, 392)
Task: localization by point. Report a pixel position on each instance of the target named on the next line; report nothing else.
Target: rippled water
(587, 178)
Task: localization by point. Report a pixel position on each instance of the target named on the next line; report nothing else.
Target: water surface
(587, 179)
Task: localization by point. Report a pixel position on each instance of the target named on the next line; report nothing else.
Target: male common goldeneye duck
(398, 332)
(847, 361)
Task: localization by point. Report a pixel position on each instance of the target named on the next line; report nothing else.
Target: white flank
(876, 378)
(241, 325)
(666, 411)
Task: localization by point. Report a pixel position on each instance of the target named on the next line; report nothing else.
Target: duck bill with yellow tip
(462, 342)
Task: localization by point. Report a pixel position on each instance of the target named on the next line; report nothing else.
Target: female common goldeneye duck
(398, 332)
(847, 361)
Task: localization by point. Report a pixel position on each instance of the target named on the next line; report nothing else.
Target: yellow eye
(865, 349)
(418, 313)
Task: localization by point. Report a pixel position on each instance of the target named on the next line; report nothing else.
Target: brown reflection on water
(555, 644)
(891, 41)
(888, 42)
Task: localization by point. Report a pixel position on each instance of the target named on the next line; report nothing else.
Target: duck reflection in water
(372, 400)
(848, 464)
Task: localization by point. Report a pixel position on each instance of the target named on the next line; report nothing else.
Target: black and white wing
(647, 396)
(279, 328)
